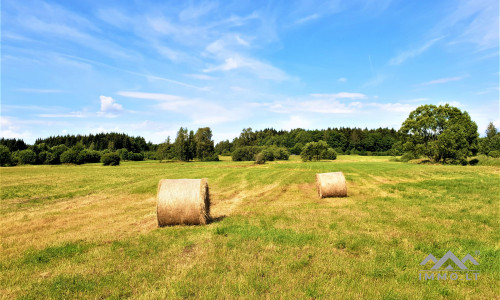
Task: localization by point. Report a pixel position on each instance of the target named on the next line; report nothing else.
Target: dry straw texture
(331, 185)
(183, 201)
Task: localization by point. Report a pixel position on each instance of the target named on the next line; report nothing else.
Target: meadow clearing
(90, 231)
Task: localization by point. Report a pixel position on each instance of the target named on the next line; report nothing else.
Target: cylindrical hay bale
(183, 201)
(331, 185)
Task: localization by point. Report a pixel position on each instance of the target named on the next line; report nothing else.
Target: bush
(110, 159)
(5, 156)
(473, 161)
(42, 157)
(246, 153)
(267, 154)
(124, 154)
(69, 157)
(494, 153)
(297, 148)
(213, 157)
(56, 152)
(51, 159)
(27, 157)
(226, 153)
(280, 153)
(313, 150)
(135, 156)
(407, 157)
(260, 159)
(329, 154)
(88, 156)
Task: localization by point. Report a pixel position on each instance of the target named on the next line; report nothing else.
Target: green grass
(90, 231)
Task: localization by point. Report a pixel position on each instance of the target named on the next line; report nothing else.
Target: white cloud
(474, 22)
(342, 79)
(41, 91)
(341, 95)
(109, 105)
(443, 80)
(201, 76)
(295, 121)
(393, 107)
(315, 105)
(403, 56)
(75, 114)
(308, 18)
(150, 96)
(452, 103)
(258, 68)
(11, 130)
(199, 111)
(375, 81)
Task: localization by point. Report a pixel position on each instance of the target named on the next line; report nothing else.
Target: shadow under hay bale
(331, 185)
(183, 201)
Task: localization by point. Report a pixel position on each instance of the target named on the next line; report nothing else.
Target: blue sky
(149, 67)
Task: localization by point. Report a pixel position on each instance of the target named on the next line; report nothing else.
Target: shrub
(51, 159)
(494, 153)
(27, 157)
(260, 159)
(267, 153)
(110, 159)
(124, 154)
(88, 156)
(329, 154)
(313, 150)
(246, 153)
(5, 156)
(135, 156)
(473, 161)
(69, 157)
(407, 157)
(42, 157)
(213, 157)
(281, 153)
(57, 151)
(297, 148)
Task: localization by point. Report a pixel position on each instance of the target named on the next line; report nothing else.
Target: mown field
(90, 231)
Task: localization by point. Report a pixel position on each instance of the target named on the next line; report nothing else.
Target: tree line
(441, 133)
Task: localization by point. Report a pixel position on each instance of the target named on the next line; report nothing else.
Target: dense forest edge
(440, 133)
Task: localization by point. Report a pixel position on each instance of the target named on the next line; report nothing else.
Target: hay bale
(183, 201)
(331, 185)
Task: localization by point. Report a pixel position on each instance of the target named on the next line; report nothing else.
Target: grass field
(90, 231)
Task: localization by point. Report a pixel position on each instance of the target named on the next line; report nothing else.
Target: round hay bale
(183, 201)
(331, 185)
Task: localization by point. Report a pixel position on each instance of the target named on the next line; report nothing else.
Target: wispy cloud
(41, 91)
(150, 96)
(68, 115)
(443, 80)
(393, 107)
(474, 22)
(200, 111)
(200, 76)
(341, 95)
(256, 67)
(411, 53)
(342, 79)
(308, 18)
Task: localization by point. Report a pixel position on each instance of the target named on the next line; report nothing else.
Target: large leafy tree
(204, 143)
(442, 133)
(492, 140)
(181, 145)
